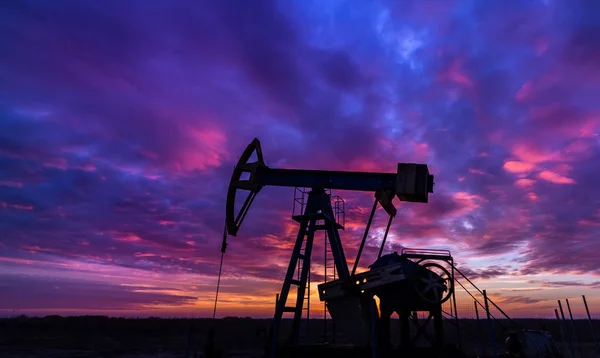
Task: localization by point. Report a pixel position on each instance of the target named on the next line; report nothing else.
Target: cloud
(23, 293)
(120, 125)
(485, 273)
(523, 300)
(517, 167)
(555, 178)
(594, 284)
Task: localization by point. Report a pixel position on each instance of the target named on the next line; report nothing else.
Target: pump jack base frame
(441, 349)
(348, 351)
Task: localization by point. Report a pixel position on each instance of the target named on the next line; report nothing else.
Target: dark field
(98, 336)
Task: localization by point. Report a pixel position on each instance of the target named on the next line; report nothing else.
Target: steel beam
(408, 186)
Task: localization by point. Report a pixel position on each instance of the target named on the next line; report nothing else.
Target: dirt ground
(104, 337)
(57, 353)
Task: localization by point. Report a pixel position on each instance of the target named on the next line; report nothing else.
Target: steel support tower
(318, 209)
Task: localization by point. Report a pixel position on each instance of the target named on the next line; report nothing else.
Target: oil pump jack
(404, 285)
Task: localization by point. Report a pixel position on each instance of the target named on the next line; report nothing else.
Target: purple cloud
(120, 125)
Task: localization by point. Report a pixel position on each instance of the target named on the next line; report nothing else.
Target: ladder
(315, 210)
(304, 323)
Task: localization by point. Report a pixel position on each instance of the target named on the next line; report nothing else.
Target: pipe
(364, 239)
(387, 229)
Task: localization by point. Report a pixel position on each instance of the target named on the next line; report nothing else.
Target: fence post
(490, 326)
(455, 310)
(577, 343)
(562, 329)
(481, 345)
(567, 333)
(591, 324)
(189, 339)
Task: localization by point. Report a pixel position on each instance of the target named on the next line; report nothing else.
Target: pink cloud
(513, 166)
(541, 46)
(209, 150)
(562, 168)
(586, 222)
(128, 238)
(555, 178)
(524, 92)
(455, 73)
(467, 202)
(477, 171)
(16, 206)
(524, 183)
(11, 184)
(530, 154)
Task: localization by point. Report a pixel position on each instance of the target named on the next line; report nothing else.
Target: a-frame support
(405, 317)
(318, 209)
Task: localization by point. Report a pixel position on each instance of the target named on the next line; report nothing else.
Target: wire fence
(479, 324)
(482, 326)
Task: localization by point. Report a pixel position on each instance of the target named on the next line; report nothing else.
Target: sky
(121, 122)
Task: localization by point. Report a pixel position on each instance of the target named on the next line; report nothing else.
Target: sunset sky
(121, 121)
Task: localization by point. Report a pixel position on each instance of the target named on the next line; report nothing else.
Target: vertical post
(189, 340)
(482, 347)
(324, 322)
(373, 327)
(404, 329)
(438, 327)
(591, 324)
(567, 333)
(573, 331)
(562, 328)
(308, 297)
(325, 280)
(490, 326)
(455, 310)
(276, 304)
